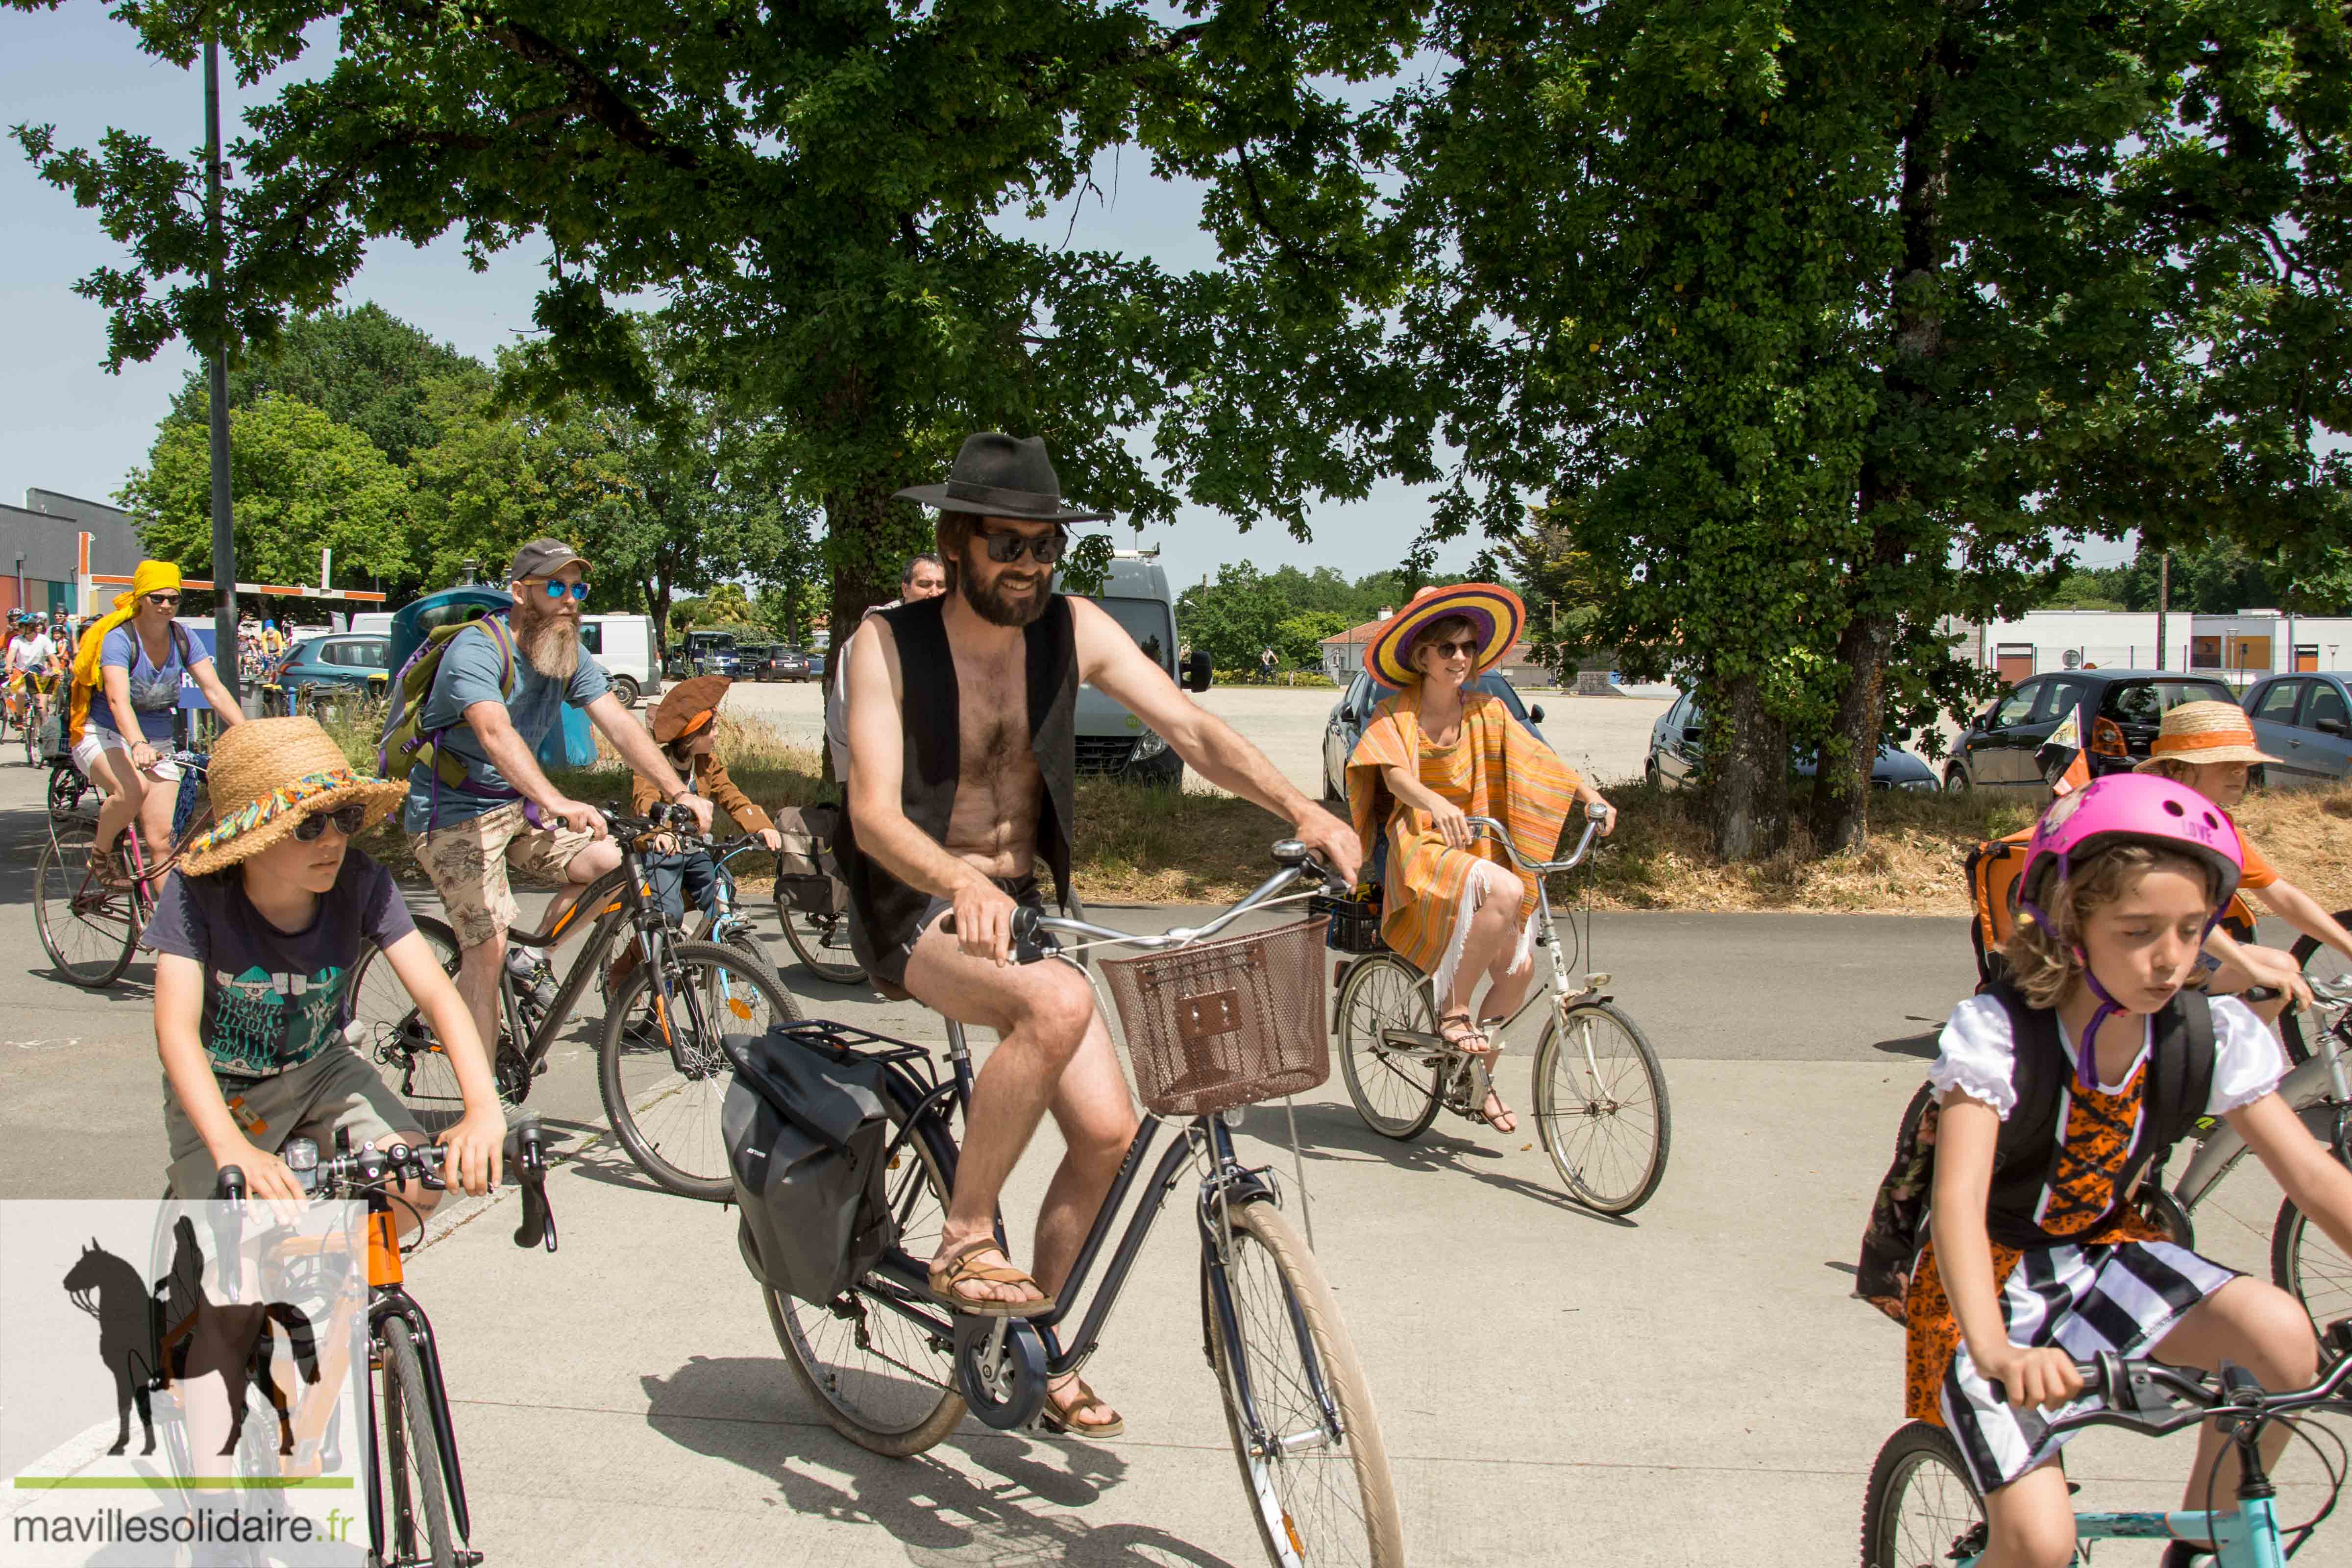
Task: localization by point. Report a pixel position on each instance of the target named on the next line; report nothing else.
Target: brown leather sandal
(1060, 1419)
(958, 1267)
(1470, 1032)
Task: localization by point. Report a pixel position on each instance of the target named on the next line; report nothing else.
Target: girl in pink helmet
(2056, 1091)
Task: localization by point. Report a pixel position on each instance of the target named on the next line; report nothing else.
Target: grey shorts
(891, 962)
(334, 1090)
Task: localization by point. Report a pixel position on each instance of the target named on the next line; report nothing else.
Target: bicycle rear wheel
(1921, 1510)
(663, 1103)
(2309, 1267)
(1394, 1092)
(1319, 1497)
(822, 944)
(408, 1470)
(881, 1379)
(398, 1041)
(89, 929)
(66, 789)
(1601, 1107)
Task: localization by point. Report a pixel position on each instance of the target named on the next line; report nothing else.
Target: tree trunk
(1748, 775)
(657, 596)
(1841, 803)
(867, 540)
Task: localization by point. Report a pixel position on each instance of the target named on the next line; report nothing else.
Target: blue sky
(67, 424)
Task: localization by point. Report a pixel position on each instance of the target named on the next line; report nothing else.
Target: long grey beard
(553, 648)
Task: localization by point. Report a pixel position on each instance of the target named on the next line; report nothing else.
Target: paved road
(1606, 737)
(1693, 1386)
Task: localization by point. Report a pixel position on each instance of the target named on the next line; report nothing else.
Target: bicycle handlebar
(2156, 1400)
(1595, 813)
(371, 1169)
(1033, 930)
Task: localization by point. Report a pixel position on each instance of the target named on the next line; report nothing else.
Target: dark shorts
(891, 958)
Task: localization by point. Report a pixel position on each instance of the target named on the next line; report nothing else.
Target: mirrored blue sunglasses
(556, 589)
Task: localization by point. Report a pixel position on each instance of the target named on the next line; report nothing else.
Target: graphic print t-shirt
(274, 999)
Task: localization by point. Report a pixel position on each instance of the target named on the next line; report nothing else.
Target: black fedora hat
(997, 475)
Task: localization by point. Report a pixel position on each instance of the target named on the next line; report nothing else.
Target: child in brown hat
(2209, 747)
(258, 937)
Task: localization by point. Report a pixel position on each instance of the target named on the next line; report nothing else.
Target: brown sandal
(1059, 1420)
(1461, 1042)
(958, 1267)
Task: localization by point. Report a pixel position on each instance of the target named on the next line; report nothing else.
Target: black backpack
(2181, 1068)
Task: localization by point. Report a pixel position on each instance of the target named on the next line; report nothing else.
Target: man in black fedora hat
(961, 771)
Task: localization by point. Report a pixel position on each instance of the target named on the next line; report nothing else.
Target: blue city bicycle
(1924, 1511)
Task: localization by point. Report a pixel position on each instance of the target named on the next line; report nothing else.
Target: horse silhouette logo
(150, 1338)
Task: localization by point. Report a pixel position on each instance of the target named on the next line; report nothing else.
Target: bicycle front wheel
(1921, 1508)
(2300, 1028)
(1394, 1090)
(2310, 1267)
(1320, 1493)
(408, 1471)
(89, 929)
(881, 1379)
(398, 1041)
(822, 944)
(660, 1068)
(1601, 1107)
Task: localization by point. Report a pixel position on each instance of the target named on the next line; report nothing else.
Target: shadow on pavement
(1338, 1133)
(944, 1520)
(1922, 1045)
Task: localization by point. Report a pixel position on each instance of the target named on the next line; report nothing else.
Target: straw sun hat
(2205, 732)
(1494, 613)
(266, 775)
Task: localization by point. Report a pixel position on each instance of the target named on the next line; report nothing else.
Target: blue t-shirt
(154, 688)
(276, 998)
(469, 674)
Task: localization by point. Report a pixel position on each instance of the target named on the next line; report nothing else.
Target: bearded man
(500, 686)
(960, 781)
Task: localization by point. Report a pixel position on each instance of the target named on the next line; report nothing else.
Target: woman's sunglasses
(1468, 649)
(163, 601)
(1043, 548)
(556, 590)
(348, 821)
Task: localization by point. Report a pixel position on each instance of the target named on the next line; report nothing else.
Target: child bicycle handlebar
(371, 1169)
(2156, 1400)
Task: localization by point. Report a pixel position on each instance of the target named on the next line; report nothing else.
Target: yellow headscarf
(149, 577)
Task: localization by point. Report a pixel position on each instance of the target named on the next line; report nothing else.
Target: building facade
(40, 548)
(2241, 647)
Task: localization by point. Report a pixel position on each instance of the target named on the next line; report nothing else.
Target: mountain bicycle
(893, 1369)
(660, 1069)
(1600, 1094)
(90, 922)
(1923, 1510)
(417, 1513)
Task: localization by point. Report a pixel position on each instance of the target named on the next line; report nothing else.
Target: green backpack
(406, 743)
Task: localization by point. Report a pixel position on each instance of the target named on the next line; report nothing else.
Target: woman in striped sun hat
(2210, 747)
(1434, 755)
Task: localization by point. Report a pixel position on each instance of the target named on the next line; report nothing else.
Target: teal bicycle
(1925, 1512)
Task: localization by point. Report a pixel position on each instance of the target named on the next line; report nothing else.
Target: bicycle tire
(1590, 1185)
(755, 950)
(1918, 1449)
(1361, 1524)
(66, 787)
(415, 1494)
(2295, 1023)
(89, 931)
(884, 1413)
(33, 726)
(1401, 1002)
(399, 1043)
(2308, 1267)
(811, 945)
(674, 1135)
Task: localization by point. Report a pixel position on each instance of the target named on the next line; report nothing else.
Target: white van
(1110, 738)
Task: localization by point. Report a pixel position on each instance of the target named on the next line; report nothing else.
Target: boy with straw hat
(2209, 747)
(257, 939)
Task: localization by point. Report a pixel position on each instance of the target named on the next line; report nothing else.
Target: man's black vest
(930, 721)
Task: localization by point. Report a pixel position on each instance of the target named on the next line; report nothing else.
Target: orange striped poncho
(1497, 769)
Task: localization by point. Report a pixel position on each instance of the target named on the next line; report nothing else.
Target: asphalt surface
(1690, 1385)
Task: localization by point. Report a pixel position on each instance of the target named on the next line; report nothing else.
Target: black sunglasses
(348, 821)
(159, 600)
(1043, 548)
(1467, 648)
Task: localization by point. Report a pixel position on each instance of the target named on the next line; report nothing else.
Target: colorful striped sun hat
(2205, 732)
(267, 775)
(1495, 614)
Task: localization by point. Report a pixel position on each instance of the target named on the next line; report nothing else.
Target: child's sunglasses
(348, 821)
(1044, 548)
(556, 589)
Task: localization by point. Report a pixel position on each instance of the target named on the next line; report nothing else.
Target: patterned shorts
(468, 862)
(335, 1089)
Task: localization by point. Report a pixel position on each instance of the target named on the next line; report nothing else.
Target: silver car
(2306, 721)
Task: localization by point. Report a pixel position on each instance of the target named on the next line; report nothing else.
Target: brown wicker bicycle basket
(1225, 1023)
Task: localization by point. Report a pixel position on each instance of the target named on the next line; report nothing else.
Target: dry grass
(1139, 845)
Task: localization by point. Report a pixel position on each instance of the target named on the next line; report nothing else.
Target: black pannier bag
(806, 1133)
(806, 878)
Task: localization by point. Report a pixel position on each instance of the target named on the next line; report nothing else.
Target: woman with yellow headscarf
(126, 689)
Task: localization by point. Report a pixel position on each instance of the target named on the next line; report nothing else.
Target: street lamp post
(223, 535)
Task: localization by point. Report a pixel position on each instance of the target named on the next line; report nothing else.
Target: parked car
(772, 661)
(1354, 710)
(2306, 721)
(1677, 738)
(2121, 711)
(703, 653)
(326, 669)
